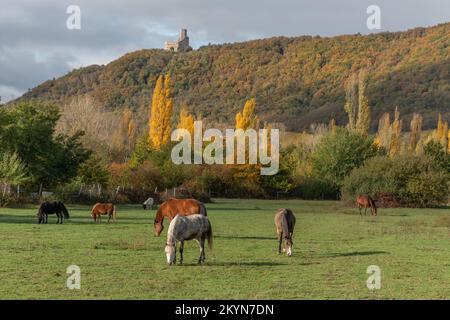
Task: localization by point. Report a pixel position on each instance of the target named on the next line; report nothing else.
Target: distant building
(182, 44)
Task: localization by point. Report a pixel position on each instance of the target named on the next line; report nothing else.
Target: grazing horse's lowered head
(183, 228)
(285, 223)
(173, 207)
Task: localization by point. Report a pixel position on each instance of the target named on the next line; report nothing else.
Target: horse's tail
(202, 210)
(64, 210)
(373, 205)
(210, 237)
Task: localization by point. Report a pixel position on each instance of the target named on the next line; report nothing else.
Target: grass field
(333, 246)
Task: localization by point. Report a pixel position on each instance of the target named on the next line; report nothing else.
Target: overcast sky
(36, 45)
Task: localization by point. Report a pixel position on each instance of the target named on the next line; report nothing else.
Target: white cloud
(8, 93)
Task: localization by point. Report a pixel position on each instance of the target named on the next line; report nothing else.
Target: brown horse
(172, 207)
(100, 209)
(285, 223)
(366, 202)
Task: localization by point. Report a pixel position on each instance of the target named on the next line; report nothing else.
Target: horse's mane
(171, 230)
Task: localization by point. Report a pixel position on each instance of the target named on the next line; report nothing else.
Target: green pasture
(333, 246)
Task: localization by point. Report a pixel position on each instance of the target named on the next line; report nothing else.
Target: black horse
(50, 207)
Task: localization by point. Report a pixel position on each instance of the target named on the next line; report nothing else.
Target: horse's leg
(280, 241)
(359, 206)
(203, 248)
(181, 251)
(109, 217)
(201, 244)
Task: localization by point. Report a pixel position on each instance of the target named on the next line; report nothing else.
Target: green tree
(28, 130)
(338, 154)
(12, 169)
(94, 171)
(436, 153)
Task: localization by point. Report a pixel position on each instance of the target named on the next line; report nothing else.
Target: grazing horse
(148, 204)
(173, 207)
(285, 223)
(50, 207)
(183, 228)
(100, 209)
(366, 202)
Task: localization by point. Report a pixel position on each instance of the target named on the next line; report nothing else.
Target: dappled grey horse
(285, 223)
(183, 228)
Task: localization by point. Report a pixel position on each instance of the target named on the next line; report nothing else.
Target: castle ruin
(182, 44)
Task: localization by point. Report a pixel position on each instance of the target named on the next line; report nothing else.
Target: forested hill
(296, 81)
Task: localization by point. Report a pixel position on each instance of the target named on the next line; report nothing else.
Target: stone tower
(182, 44)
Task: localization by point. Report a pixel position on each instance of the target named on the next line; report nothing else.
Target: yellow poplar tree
(444, 138)
(415, 132)
(363, 121)
(129, 128)
(440, 135)
(332, 126)
(349, 106)
(383, 137)
(448, 142)
(186, 121)
(161, 113)
(396, 130)
(247, 118)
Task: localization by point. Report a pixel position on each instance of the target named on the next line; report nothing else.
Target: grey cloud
(35, 44)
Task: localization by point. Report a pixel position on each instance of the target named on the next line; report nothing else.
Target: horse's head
(39, 216)
(289, 244)
(158, 225)
(170, 253)
(144, 206)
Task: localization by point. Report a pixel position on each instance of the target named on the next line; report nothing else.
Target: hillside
(296, 81)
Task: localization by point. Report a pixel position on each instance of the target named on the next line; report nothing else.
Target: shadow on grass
(18, 218)
(246, 237)
(32, 219)
(356, 253)
(237, 264)
(237, 210)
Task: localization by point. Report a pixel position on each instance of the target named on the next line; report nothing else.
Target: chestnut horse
(172, 207)
(366, 202)
(100, 209)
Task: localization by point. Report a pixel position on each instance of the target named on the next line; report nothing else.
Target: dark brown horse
(100, 209)
(366, 202)
(172, 207)
(50, 207)
(285, 223)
